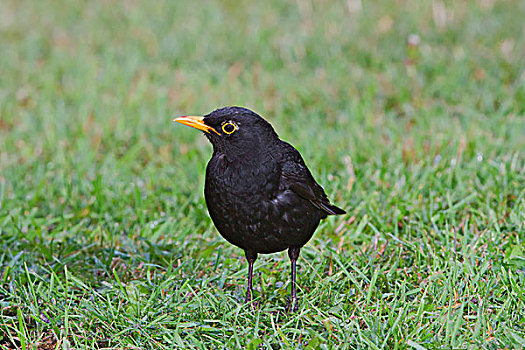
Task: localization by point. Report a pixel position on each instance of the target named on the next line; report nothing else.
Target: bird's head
(233, 130)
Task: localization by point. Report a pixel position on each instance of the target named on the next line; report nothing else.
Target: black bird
(259, 192)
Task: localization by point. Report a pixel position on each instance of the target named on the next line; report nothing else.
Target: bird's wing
(296, 176)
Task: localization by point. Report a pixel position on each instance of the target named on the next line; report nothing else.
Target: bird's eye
(229, 127)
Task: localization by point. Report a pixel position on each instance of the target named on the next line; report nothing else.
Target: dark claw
(289, 308)
(249, 301)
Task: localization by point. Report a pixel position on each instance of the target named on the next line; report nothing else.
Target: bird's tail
(331, 209)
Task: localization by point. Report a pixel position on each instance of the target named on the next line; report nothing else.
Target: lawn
(411, 114)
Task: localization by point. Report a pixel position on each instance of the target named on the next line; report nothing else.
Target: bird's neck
(245, 160)
(254, 154)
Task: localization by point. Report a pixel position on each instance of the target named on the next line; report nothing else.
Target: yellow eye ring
(229, 127)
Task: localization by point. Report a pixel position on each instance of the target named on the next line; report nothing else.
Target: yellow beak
(195, 122)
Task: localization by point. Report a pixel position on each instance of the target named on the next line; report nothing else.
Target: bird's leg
(251, 257)
(293, 253)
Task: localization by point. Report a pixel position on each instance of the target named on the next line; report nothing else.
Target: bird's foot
(250, 302)
(253, 304)
(292, 305)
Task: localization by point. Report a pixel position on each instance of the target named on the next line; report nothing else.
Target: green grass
(104, 235)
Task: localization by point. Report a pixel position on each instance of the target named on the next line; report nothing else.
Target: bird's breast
(242, 178)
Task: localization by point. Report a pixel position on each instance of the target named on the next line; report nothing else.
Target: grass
(411, 114)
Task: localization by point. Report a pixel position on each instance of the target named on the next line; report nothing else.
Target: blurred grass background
(410, 113)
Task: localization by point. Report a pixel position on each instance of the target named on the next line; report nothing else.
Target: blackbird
(259, 192)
